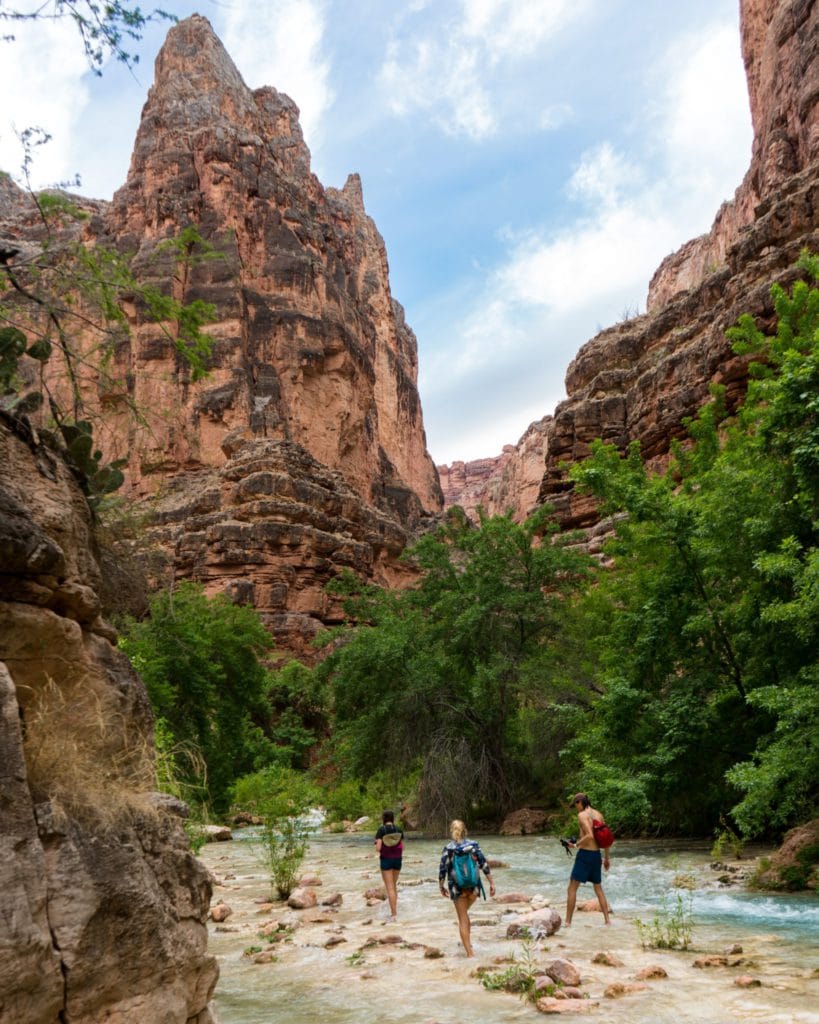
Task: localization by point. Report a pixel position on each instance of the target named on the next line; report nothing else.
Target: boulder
(301, 899)
(563, 972)
(535, 924)
(217, 833)
(795, 865)
(525, 822)
(221, 912)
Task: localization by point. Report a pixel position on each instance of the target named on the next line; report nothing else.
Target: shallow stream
(392, 983)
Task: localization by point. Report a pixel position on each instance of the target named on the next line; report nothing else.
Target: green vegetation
(104, 28)
(669, 928)
(66, 306)
(678, 684)
(705, 629)
(457, 675)
(279, 797)
(200, 659)
(520, 977)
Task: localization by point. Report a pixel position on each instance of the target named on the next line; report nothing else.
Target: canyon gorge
(301, 453)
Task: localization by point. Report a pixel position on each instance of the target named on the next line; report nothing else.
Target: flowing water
(393, 983)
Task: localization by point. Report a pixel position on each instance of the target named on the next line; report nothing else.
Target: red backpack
(603, 835)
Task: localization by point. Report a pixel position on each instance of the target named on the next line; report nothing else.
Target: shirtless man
(586, 867)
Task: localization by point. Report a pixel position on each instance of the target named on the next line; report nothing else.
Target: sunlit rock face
(311, 346)
(639, 379)
(311, 350)
(103, 905)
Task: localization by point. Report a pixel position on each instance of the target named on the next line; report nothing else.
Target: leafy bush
(200, 659)
(280, 797)
(669, 928)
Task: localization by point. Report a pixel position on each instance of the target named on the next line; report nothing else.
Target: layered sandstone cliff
(312, 357)
(103, 905)
(640, 379)
(311, 346)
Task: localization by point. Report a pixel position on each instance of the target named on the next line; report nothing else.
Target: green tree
(281, 797)
(200, 659)
(451, 674)
(104, 28)
(64, 310)
(705, 630)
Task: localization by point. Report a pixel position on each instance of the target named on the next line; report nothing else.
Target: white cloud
(707, 124)
(41, 74)
(453, 70)
(603, 176)
(281, 45)
(555, 116)
(555, 289)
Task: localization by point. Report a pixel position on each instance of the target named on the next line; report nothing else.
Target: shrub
(668, 929)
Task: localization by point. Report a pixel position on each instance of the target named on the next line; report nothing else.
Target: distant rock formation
(312, 348)
(102, 909)
(508, 482)
(639, 379)
(312, 355)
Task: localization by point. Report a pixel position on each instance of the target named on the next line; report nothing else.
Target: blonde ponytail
(457, 831)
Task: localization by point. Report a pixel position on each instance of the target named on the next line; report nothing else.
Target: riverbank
(345, 963)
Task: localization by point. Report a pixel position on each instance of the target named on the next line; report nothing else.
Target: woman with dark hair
(389, 842)
(586, 867)
(460, 859)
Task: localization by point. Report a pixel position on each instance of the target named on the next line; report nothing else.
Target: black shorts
(390, 863)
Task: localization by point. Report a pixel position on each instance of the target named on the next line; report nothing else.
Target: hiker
(586, 867)
(389, 842)
(461, 863)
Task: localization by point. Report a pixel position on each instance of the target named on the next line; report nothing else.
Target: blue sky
(528, 162)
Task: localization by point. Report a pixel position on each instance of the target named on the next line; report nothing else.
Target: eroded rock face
(311, 349)
(510, 482)
(271, 528)
(311, 345)
(640, 379)
(103, 904)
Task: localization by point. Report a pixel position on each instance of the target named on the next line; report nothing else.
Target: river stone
(713, 960)
(746, 981)
(512, 897)
(221, 912)
(536, 923)
(548, 1004)
(301, 899)
(563, 972)
(618, 989)
(607, 959)
(652, 972)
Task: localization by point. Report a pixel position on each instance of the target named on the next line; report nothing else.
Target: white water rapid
(351, 983)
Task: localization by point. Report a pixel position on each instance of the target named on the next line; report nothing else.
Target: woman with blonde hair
(462, 860)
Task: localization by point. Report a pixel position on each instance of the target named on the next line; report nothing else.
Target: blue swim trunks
(586, 866)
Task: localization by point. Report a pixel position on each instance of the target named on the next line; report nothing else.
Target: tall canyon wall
(103, 904)
(639, 379)
(303, 450)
